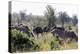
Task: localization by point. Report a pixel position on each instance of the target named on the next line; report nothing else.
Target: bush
(20, 41)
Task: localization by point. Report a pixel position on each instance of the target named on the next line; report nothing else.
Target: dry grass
(45, 40)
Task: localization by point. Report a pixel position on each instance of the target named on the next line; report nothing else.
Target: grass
(47, 42)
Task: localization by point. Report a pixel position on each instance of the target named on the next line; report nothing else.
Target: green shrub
(20, 41)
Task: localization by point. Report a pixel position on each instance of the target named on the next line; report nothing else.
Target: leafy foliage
(50, 14)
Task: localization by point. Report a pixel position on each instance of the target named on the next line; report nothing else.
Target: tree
(63, 17)
(23, 15)
(75, 20)
(50, 14)
(15, 19)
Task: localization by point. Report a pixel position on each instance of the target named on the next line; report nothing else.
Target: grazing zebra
(65, 34)
(38, 30)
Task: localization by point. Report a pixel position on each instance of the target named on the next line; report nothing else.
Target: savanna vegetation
(45, 41)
